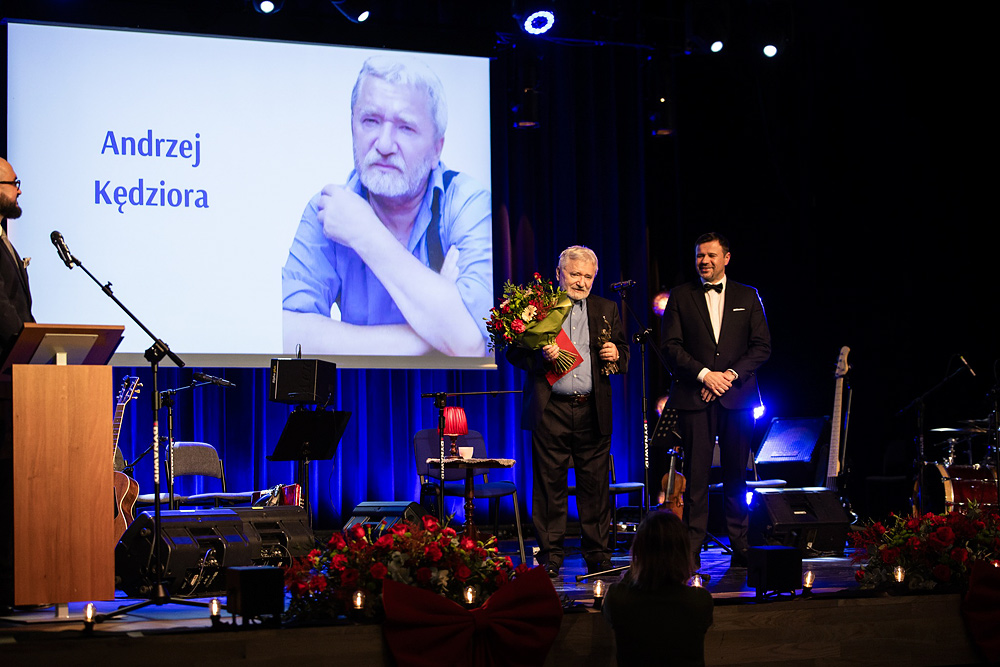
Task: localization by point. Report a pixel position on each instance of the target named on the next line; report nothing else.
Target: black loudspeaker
(809, 518)
(380, 516)
(253, 592)
(795, 450)
(774, 569)
(303, 381)
(197, 545)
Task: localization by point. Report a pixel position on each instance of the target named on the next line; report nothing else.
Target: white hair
(579, 253)
(402, 70)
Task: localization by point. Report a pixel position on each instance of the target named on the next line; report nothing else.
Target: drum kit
(965, 471)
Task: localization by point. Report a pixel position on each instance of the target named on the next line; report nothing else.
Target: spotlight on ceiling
(351, 11)
(539, 22)
(770, 50)
(268, 6)
(717, 46)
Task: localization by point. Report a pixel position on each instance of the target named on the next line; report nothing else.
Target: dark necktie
(717, 287)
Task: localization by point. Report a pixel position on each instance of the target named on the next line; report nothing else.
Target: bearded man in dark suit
(570, 420)
(715, 337)
(15, 298)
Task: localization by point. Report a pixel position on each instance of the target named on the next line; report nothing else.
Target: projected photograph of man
(399, 260)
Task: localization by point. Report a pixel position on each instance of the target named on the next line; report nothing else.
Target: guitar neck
(833, 463)
(116, 426)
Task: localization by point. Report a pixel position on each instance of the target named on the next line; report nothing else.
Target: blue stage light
(758, 412)
(539, 22)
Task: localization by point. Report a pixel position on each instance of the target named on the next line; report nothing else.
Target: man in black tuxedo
(570, 420)
(15, 297)
(715, 337)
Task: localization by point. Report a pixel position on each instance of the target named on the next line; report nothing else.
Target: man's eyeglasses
(16, 184)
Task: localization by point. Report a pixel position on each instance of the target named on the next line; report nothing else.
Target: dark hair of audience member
(660, 552)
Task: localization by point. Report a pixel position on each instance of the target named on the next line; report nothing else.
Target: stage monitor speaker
(255, 592)
(775, 569)
(197, 545)
(795, 450)
(303, 381)
(804, 518)
(380, 516)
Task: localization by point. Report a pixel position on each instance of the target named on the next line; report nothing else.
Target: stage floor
(832, 574)
(836, 625)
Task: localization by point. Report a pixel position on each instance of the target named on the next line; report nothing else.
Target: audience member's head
(660, 552)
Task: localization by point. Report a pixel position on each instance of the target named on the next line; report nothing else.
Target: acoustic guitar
(126, 488)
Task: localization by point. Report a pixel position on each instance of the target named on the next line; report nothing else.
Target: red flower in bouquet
(433, 552)
(378, 571)
(531, 317)
(941, 538)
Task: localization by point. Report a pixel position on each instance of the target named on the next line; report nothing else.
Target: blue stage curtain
(375, 459)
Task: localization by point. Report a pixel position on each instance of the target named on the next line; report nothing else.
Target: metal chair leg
(520, 533)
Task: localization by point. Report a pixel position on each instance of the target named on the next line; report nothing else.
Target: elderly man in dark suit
(570, 419)
(15, 298)
(715, 337)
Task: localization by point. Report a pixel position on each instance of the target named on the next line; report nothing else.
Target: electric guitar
(833, 472)
(126, 488)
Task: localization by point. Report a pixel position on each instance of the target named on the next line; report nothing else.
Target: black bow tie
(717, 287)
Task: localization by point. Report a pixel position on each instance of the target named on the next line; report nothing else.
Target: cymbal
(966, 430)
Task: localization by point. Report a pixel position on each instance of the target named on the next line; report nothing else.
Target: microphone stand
(154, 355)
(167, 399)
(641, 338)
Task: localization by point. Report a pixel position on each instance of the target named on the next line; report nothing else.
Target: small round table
(470, 465)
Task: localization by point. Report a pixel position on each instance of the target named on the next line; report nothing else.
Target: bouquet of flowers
(932, 549)
(348, 573)
(531, 316)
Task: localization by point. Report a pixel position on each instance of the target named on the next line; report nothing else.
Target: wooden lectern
(61, 463)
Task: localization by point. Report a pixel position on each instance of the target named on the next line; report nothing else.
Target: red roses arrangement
(932, 549)
(323, 584)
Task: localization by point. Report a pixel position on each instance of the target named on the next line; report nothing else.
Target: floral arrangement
(325, 584)
(932, 549)
(530, 316)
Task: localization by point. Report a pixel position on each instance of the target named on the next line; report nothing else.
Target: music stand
(310, 435)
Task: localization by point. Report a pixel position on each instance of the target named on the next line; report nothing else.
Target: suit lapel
(730, 303)
(700, 305)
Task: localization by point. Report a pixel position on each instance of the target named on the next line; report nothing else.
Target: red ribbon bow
(516, 626)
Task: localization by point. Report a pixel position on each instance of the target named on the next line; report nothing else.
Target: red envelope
(564, 343)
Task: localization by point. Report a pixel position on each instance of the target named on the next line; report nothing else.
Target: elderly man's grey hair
(579, 253)
(398, 69)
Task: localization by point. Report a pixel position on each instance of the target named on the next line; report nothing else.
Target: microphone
(202, 377)
(966, 364)
(622, 285)
(64, 254)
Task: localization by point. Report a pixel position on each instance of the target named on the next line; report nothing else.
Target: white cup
(465, 452)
